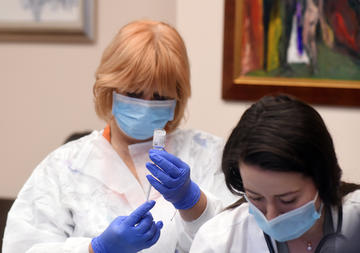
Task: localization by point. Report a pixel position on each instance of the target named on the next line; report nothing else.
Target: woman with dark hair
(281, 158)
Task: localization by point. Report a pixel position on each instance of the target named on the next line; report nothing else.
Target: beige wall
(47, 95)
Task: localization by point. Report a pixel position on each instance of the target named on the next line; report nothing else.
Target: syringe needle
(148, 192)
(158, 143)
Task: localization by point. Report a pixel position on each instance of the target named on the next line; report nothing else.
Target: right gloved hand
(171, 177)
(129, 234)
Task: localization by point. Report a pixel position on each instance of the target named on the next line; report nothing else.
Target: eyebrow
(279, 195)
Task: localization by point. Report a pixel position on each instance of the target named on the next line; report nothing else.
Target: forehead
(271, 183)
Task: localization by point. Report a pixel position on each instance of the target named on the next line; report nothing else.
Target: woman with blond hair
(89, 195)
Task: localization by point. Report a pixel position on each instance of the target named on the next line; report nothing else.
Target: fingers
(145, 224)
(169, 163)
(148, 230)
(162, 176)
(154, 234)
(159, 224)
(156, 184)
(139, 213)
(170, 157)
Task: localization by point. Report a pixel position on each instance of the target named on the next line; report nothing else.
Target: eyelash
(156, 96)
(256, 199)
(134, 95)
(286, 202)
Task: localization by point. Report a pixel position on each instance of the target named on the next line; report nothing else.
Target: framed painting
(48, 20)
(307, 48)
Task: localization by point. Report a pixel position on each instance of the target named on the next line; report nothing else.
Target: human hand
(171, 177)
(129, 234)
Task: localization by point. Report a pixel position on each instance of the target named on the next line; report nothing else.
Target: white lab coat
(78, 189)
(236, 231)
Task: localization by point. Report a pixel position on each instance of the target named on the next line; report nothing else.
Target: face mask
(138, 118)
(290, 225)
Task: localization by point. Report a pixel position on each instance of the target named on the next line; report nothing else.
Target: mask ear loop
(321, 203)
(244, 198)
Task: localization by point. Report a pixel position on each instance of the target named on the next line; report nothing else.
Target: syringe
(158, 143)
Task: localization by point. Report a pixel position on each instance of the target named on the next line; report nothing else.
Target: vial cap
(159, 138)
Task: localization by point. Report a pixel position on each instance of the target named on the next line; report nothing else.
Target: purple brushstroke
(299, 28)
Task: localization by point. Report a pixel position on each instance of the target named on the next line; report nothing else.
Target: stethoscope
(336, 235)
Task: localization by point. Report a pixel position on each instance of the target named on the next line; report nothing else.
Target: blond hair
(148, 56)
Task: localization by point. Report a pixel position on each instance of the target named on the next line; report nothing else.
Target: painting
(47, 20)
(307, 48)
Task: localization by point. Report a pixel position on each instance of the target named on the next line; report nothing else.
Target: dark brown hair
(282, 133)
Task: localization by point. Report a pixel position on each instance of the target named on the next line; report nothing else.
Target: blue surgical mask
(290, 225)
(138, 118)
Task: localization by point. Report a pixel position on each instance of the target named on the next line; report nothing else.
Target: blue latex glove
(129, 234)
(171, 177)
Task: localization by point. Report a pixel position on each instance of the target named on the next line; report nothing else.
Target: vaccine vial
(159, 138)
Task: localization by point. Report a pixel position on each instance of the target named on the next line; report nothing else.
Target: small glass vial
(159, 138)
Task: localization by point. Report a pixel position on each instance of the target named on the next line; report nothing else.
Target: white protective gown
(77, 190)
(236, 231)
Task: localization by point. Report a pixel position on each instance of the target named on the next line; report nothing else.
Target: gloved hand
(172, 179)
(129, 234)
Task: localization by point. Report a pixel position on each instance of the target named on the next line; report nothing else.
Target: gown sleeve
(203, 155)
(38, 221)
(187, 230)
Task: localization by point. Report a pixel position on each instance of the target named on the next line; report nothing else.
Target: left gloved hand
(129, 234)
(171, 177)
